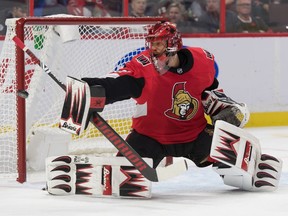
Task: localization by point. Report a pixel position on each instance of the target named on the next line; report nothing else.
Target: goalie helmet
(165, 31)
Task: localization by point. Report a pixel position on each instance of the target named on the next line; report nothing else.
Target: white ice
(197, 192)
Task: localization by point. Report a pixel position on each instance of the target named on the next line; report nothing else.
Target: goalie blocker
(240, 162)
(96, 176)
(79, 104)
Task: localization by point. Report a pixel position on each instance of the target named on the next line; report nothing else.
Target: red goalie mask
(168, 32)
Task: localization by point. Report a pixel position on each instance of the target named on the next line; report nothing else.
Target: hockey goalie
(173, 87)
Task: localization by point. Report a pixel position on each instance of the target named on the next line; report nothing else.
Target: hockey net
(74, 46)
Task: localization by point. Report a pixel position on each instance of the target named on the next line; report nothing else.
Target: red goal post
(75, 46)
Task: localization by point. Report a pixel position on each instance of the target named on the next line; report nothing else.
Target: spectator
(160, 9)
(279, 1)
(260, 8)
(151, 7)
(77, 8)
(210, 20)
(16, 10)
(196, 9)
(98, 10)
(278, 15)
(245, 21)
(230, 4)
(177, 14)
(87, 8)
(114, 7)
(138, 8)
(193, 7)
(53, 7)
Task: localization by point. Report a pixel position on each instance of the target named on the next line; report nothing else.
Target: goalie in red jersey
(174, 87)
(168, 83)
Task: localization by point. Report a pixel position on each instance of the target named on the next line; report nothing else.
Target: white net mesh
(76, 50)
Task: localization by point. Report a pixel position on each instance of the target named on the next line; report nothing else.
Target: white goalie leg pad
(96, 176)
(234, 177)
(240, 162)
(265, 178)
(268, 172)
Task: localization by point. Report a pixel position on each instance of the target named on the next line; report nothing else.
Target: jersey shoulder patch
(144, 60)
(208, 54)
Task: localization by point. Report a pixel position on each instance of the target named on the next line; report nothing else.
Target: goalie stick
(154, 175)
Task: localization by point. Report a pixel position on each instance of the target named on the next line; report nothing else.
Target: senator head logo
(184, 106)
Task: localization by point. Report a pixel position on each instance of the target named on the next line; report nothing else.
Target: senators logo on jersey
(184, 106)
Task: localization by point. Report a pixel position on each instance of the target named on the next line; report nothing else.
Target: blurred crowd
(190, 16)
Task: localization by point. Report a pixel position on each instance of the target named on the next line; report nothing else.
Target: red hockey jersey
(169, 108)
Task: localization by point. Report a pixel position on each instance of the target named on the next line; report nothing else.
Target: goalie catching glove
(220, 107)
(80, 103)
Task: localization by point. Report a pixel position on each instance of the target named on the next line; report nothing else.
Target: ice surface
(197, 192)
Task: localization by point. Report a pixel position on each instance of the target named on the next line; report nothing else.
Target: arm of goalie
(220, 107)
(240, 162)
(96, 176)
(79, 104)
